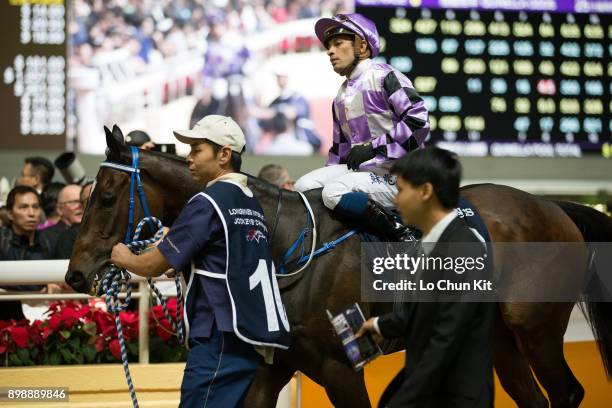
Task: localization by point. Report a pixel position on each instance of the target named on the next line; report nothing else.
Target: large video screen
(33, 66)
(506, 78)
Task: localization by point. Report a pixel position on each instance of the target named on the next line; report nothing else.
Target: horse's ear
(114, 139)
(118, 134)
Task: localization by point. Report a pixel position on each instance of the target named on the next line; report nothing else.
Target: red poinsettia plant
(162, 338)
(81, 333)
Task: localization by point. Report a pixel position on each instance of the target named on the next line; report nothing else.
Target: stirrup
(404, 234)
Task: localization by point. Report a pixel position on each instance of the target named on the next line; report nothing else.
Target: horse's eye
(108, 199)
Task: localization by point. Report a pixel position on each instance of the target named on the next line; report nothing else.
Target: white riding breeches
(338, 180)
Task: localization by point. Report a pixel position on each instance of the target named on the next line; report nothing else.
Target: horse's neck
(173, 183)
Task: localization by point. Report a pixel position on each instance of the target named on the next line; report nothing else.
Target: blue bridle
(134, 181)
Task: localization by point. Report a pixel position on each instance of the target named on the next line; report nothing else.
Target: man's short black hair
(19, 190)
(235, 160)
(432, 165)
(49, 197)
(43, 167)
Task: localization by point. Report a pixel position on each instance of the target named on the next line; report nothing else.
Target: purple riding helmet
(353, 23)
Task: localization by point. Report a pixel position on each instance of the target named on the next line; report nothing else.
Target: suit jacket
(449, 345)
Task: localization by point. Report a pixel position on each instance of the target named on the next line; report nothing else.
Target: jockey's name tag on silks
(258, 313)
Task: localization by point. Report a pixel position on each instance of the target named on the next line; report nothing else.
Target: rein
(301, 241)
(279, 205)
(115, 277)
(304, 260)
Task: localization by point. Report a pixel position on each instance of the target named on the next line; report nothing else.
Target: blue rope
(137, 247)
(111, 286)
(116, 277)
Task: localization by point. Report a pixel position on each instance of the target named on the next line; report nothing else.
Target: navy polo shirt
(195, 245)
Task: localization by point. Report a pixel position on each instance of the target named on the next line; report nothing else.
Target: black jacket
(449, 345)
(53, 234)
(15, 247)
(65, 242)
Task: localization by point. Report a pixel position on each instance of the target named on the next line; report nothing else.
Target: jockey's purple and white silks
(377, 104)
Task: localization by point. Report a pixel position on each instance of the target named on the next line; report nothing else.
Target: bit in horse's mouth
(94, 287)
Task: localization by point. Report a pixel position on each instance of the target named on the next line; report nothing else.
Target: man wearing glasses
(378, 117)
(70, 211)
(65, 241)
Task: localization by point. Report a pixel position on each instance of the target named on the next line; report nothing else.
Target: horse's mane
(264, 185)
(125, 157)
(170, 156)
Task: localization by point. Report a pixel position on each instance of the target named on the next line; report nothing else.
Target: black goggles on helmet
(343, 18)
(334, 32)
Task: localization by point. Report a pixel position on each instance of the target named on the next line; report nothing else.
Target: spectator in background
(70, 211)
(139, 138)
(277, 175)
(145, 37)
(21, 241)
(49, 205)
(37, 172)
(66, 239)
(285, 141)
(295, 107)
(5, 187)
(5, 221)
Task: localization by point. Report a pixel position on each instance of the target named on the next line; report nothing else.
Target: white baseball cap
(221, 130)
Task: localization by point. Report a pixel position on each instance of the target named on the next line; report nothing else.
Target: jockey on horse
(378, 117)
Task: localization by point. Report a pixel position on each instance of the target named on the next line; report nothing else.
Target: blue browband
(134, 181)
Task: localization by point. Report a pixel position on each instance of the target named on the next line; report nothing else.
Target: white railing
(267, 43)
(112, 91)
(53, 271)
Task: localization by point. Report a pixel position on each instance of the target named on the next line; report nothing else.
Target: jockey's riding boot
(382, 222)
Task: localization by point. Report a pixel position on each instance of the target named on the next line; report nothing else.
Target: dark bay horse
(529, 336)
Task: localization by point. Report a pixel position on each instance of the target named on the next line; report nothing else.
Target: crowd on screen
(155, 30)
(166, 27)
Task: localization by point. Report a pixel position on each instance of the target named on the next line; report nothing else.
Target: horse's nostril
(76, 279)
(76, 276)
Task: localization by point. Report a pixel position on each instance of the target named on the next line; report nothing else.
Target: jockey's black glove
(360, 154)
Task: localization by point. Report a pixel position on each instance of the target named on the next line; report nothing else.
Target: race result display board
(33, 62)
(505, 78)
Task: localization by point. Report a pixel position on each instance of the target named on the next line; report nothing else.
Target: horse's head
(106, 217)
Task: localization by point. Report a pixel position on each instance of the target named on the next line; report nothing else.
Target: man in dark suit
(449, 343)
